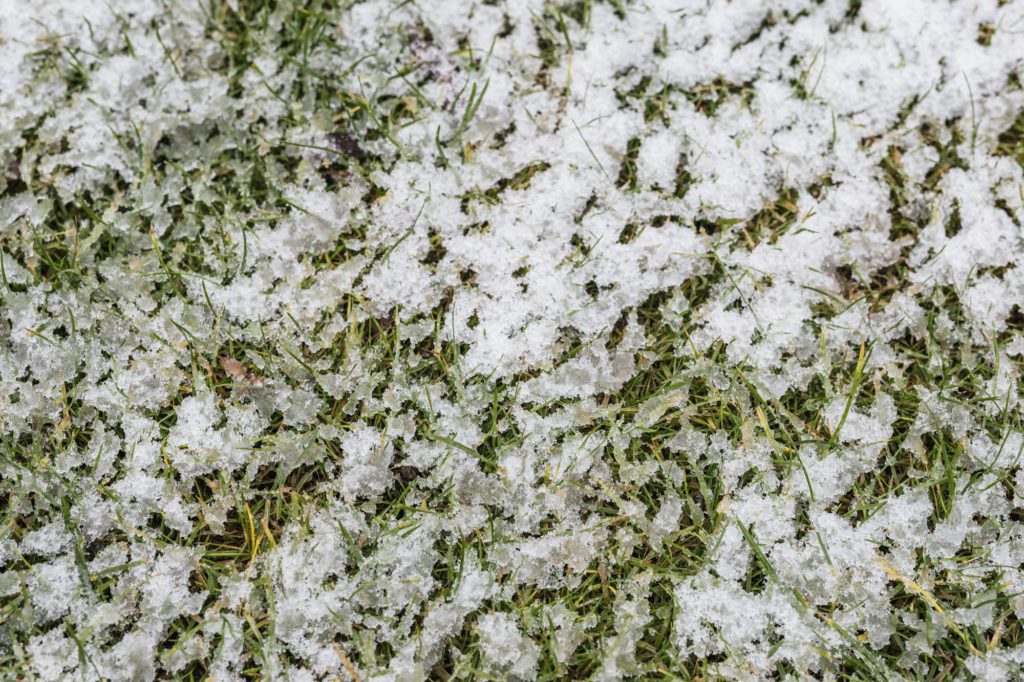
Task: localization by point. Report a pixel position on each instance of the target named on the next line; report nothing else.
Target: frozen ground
(511, 339)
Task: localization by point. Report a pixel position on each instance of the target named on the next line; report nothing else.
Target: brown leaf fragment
(236, 370)
(405, 472)
(347, 144)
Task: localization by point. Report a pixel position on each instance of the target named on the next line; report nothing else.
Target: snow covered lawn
(511, 339)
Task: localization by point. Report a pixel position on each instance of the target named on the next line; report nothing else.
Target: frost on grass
(593, 339)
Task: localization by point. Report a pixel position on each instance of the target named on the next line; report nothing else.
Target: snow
(391, 371)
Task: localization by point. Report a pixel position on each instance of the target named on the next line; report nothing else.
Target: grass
(241, 520)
